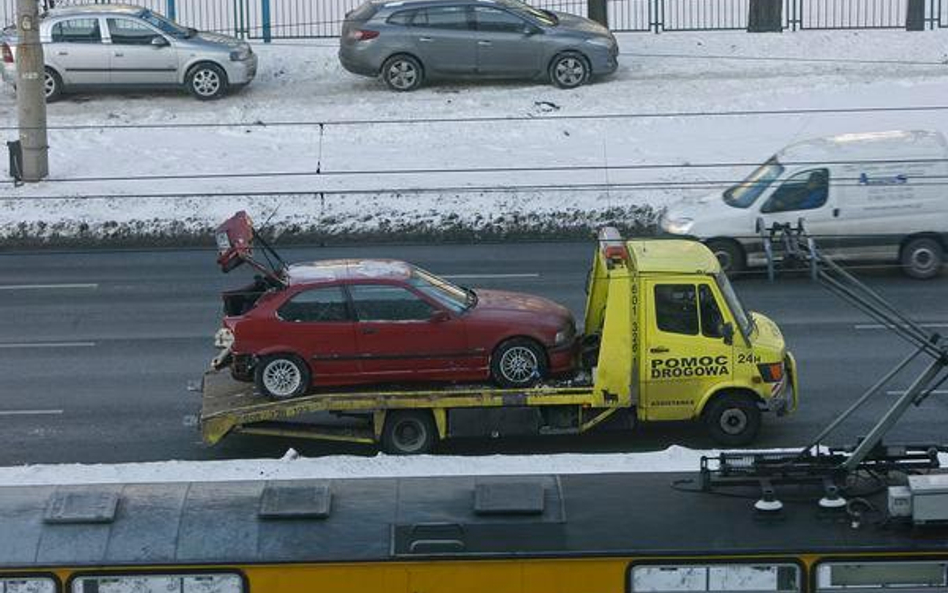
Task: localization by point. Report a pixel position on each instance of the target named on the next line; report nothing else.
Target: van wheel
(409, 432)
(282, 376)
(402, 73)
(519, 362)
(732, 420)
(922, 258)
(729, 254)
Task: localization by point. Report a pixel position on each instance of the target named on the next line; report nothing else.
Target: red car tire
(282, 376)
(518, 362)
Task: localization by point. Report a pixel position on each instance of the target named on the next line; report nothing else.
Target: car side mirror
(159, 41)
(439, 316)
(727, 330)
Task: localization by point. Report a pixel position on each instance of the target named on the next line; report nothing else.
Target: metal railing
(288, 19)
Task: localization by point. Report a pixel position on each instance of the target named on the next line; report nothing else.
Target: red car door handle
(370, 330)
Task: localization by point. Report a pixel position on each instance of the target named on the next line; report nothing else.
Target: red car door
(401, 336)
(317, 324)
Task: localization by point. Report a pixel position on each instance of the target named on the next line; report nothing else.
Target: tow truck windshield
(746, 192)
(744, 321)
(450, 295)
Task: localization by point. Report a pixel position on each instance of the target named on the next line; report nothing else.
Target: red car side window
(318, 305)
(388, 303)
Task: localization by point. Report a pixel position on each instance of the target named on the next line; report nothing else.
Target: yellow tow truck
(666, 339)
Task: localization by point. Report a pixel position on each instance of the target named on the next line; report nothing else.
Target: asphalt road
(97, 350)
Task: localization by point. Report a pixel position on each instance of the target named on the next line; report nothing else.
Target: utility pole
(31, 92)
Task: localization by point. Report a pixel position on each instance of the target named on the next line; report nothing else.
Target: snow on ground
(369, 139)
(291, 466)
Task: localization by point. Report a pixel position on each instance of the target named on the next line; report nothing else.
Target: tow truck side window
(316, 305)
(676, 308)
(712, 322)
(388, 303)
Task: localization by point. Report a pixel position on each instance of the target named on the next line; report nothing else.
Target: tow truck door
(685, 351)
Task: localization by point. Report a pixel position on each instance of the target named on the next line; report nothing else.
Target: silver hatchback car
(408, 41)
(113, 45)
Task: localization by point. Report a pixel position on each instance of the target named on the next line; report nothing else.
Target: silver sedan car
(408, 41)
(114, 46)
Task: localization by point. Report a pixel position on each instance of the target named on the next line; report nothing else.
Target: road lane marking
(48, 286)
(884, 326)
(30, 412)
(936, 392)
(48, 345)
(488, 276)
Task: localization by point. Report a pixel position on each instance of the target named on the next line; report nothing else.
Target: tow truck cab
(667, 334)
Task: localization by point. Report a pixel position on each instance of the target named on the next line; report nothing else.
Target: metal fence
(287, 19)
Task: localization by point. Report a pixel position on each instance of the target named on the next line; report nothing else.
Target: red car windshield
(450, 295)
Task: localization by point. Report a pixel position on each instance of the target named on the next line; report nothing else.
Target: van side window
(804, 191)
(676, 308)
(712, 322)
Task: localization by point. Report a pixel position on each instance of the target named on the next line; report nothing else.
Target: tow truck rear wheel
(733, 420)
(408, 432)
(282, 376)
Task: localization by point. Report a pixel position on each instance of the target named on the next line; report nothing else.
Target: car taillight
(771, 373)
(7, 53)
(363, 35)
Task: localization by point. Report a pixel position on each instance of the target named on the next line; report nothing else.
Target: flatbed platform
(233, 406)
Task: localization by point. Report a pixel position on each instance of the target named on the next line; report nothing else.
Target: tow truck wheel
(733, 420)
(519, 362)
(922, 258)
(729, 254)
(282, 376)
(408, 432)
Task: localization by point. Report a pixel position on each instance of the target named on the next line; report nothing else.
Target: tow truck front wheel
(282, 376)
(408, 432)
(733, 420)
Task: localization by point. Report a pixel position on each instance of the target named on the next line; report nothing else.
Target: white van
(879, 196)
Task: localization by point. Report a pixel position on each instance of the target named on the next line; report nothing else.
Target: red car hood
(497, 301)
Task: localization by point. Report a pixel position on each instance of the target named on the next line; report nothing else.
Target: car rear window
(364, 12)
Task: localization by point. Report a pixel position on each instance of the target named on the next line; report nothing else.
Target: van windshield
(746, 192)
(744, 321)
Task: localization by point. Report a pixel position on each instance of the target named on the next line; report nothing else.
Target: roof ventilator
(295, 501)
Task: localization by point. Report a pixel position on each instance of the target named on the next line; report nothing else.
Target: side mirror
(439, 316)
(727, 330)
(159, 41)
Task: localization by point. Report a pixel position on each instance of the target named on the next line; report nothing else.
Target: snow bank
(292, 466)
(353, 176)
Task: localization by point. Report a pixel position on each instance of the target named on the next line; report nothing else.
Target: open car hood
(236, 241)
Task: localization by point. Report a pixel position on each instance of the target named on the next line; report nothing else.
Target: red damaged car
(369, 321)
